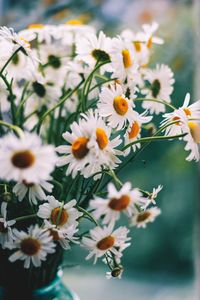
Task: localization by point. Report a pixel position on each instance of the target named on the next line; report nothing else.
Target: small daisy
(117, 202)
(33, 247)
(148, 35)
(155, 193)
(115, 273)
(25, 158)
(6, 236)
(92, 49)
(133, 132)
(104, 239)
(53, 209)
(35, 191)
(90, 147)
(64, 236)
(161, 82)
(114, 106)
(191, 111)
(123, 60)
(142, 218)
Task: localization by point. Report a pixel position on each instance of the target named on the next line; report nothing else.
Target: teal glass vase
(55, 290)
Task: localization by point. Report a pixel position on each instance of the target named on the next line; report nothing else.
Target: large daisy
(103, 240)
(115, 106)
(25, 158)
(59, 214)
(90, 147)
(33, 247)
(161, 82)
(117, 202)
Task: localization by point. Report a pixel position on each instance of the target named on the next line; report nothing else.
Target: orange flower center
(127, 58)
(187, 111)
(36, 26)
(120, 105)
(120, 203)
(135, 129)
(177, 119)
(79, 147)
(106, 243)
(59, 216)
(30, 246)
(143, 216)
(150, 43)
(195, 131)
(23, 159)
(74, 22)
(102, 138)
(138, 46)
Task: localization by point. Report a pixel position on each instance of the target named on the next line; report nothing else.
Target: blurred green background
(160, 263)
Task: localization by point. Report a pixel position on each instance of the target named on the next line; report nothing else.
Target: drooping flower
(141, 219)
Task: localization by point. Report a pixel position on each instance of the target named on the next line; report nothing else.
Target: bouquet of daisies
(76, 107)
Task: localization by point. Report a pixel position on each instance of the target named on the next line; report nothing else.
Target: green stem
(154, 138)
(155, 100)
(62, 100)
(88, 214)
(25, 217)
(15, 128)
(101, 83)
(10, 59)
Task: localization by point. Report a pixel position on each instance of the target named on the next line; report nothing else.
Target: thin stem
(114, 176)
(101, 83)
(155, 100)
(63, 99)
(25, 217)
(89, 215)
(154, 138)
(15, 128)
(10, 59)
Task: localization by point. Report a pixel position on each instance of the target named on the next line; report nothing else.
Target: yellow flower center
(59, 217)
(30, 246)
(135, 129)
(23, 159)
(102, 138)
(36, 26)
(187, 112)
(138, 46)
(120, 203)
(195, 131)
(143, 216)
(120, 105)
(106, 243)
(127, 58)
(150, 42)
(74, 22)
(79, 147)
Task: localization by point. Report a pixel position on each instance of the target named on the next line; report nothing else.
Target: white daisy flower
(161, 82)
(141, 50)
(104, 239)
(140, 219)
(92, 49)
(117, 202)
(35, 191)
(33, 247)
(123, 59)
(6, 236)
(64, 236)
(90, 147)
(155, 193)
(133, 132)
(41, 32)
(58, 214)
(25, 158)
(114, 106)
(192, 139)
(191, 111)
(148, 35)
